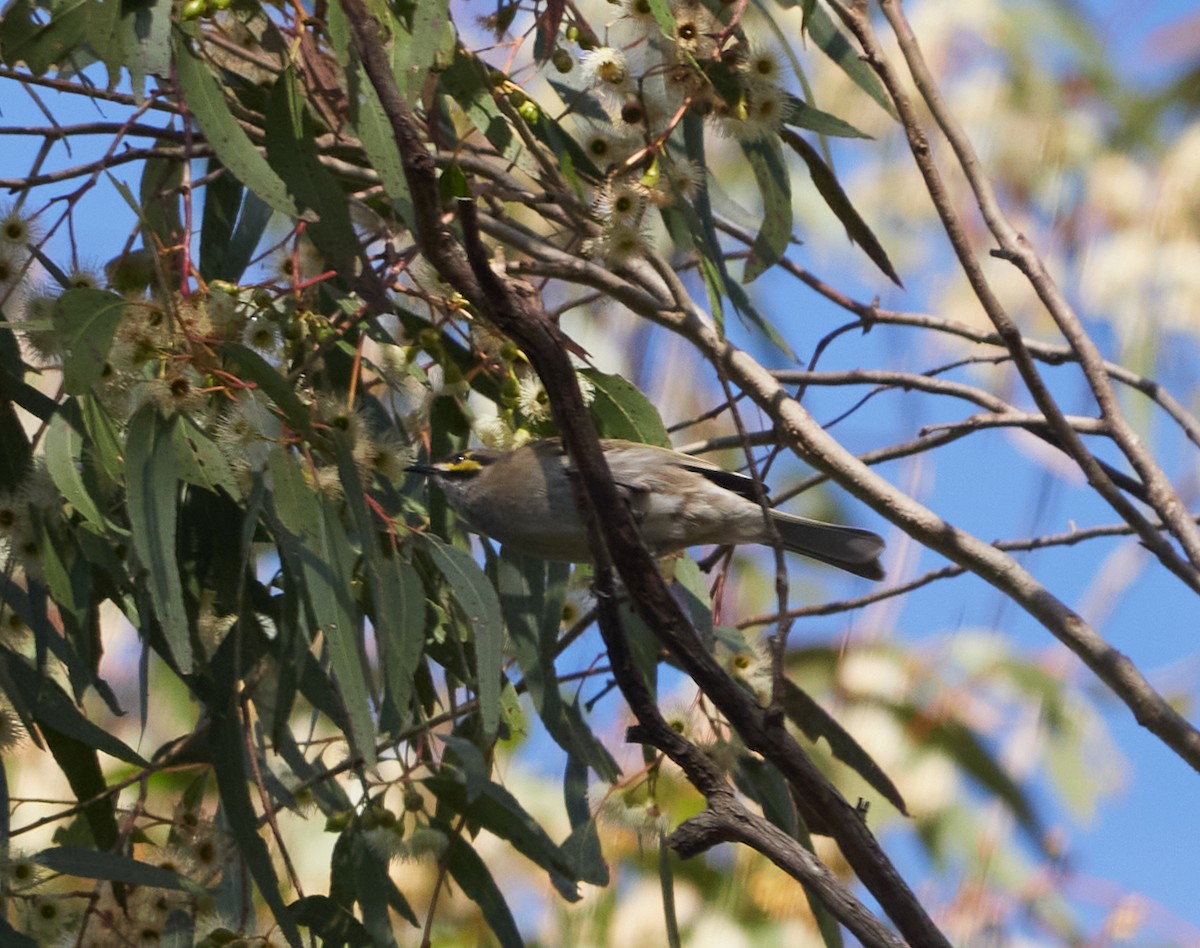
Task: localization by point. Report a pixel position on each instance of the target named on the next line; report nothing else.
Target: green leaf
(396, 594)
(661, 10)
(111, 867)
(291, 149)
(499, 812)
(367, 117)
(582, 847)
(816, 723)
(831, 190)
(833, 43)
(359, 874)
(88, 319)
(466, 81)
(151, 489)
(64, 458)
(762, 782)
(200, 461)
(140, 43)
(620, 410)
(42, 45)
(968, 752)
(481, 608)
(802, 115)
(771, 174)
(103, 437)
(52, 707)
(206, 101)
(228, 749)
(472, 875)
(432, 32)
(330, 921)
(666, 881)
(328, 560)
(248, 365)
(222, 200)
(532, 605)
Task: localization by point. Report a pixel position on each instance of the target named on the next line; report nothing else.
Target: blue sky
(1144, 838)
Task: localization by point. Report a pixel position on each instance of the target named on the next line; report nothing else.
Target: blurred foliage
(205, 441)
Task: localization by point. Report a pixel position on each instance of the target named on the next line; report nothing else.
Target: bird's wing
(740, 484)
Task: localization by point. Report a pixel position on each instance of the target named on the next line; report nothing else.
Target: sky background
(1142, 839)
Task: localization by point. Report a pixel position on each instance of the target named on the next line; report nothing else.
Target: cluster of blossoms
(643, 84)
(51, 908)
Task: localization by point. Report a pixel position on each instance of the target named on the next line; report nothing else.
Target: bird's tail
(856, 551)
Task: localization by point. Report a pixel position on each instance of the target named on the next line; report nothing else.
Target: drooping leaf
(802, 115)
(43, 45)
(52, 707)
(771, 174)
(396, 595)
(431, 32)
(830, 189)
(111, 867)
(249, 365)
(762, 782)
(532, 604)
(206, 101)
(816, 722)
(968, 752)
(367, 117)
(499, 812)
(480, 606)
(325, 918)
(327, 560)
(151, 489)
(291, 149)
(200, 461)
(472, 875)
(833, 43)
(64, 459)
(466, 81)
(582, 847)
(88, 320)
(227, 748)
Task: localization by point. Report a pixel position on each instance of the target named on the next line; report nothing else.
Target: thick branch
(518, 313)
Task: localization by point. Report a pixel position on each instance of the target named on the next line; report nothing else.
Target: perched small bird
(524, 500)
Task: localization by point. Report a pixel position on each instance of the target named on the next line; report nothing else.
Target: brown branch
(1017, 249)
(514, 309)
(860, 25)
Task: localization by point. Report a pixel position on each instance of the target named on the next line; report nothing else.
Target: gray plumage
(677, 501)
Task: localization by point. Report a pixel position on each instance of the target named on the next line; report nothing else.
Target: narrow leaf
(111, 867)
(481, 608)
(771, 174)
(291, 149)
(802, 115)
(206, 101)
(64, 457)
(833, 43)
(151, 486)
(472, 875)
(532, 610)
(839, 202)
(816, 722)
(228, 748)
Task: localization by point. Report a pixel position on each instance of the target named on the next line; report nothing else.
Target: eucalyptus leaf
(151, 488)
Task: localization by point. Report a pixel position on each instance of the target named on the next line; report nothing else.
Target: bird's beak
(425, 470)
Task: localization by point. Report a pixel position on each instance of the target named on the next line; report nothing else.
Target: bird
(523, 499)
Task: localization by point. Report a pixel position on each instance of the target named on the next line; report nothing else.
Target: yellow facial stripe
(461, 466)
